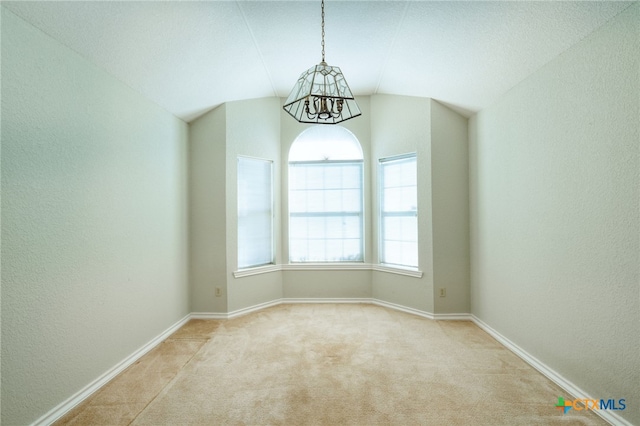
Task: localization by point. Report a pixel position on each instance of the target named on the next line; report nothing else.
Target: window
(325, 196)
(255, 212)
(399, 211)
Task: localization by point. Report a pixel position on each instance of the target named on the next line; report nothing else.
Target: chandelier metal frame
(321, 95)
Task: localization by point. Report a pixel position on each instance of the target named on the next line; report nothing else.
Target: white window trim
(415, 273)
(398, 270)
(361, 214)
(273, 210)
(258, 270)
(384, 267)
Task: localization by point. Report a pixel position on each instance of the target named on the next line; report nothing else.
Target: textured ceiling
(189, 57)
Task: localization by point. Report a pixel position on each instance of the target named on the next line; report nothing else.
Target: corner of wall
(207, 216)
(258, 138)
(400, 125)
(450, 209)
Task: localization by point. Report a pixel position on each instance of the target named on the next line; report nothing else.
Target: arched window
(325, 196)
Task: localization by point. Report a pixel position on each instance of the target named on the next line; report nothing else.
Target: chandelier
(321, 94)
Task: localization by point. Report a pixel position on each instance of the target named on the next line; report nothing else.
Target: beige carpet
(328, 364)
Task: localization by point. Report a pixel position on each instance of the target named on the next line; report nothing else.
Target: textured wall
(258, 137)
(216, 141)
(94, 226)
(399, 125)
(327, 284)
(554, 213)
(207, 213)
(450, 214)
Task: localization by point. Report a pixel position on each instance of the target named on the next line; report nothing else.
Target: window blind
(255, 212)
(399, 211)
(325, 211)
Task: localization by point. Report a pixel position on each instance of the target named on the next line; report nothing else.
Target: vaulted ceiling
(190, 57)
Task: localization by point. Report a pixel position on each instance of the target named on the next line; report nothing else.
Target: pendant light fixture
(321, 94)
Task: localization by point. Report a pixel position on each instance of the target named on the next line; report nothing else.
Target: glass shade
(321, 95)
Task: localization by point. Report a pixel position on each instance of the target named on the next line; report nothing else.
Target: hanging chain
(322, 30)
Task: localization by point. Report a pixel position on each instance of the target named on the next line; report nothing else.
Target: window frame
(405, 213)
(272, 254)
(360, 213)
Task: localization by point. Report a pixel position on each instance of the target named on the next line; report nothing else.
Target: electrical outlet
(218, 292)
(443, 292)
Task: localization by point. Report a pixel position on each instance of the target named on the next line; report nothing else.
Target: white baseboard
(402, 308)
(208, 315)
(549, 373)
(291, 300)
(248, 310)
(63, 408)
(67, 405)
(424, 314)
(236, 313)
(452, 317)
(308, 300)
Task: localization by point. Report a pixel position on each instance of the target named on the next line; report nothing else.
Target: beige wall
(450, 209)
(390, 125)
(438, 135)
(94, 222)
(555, 229)
(400, 125)
(253, 129)
(207, 211)
(119, 219)
(327, 284)
(216, 141)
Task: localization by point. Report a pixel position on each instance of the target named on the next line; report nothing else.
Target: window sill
(398, 270)
(256, 271)
(328, 267)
